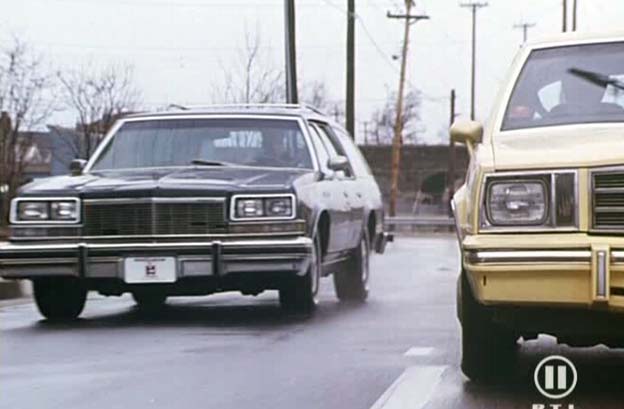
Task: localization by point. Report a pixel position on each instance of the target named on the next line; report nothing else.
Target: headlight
(33, 211)
(279, 207)
(249, 208)
(64, 210)
(264, 207)
(547, 200)
(26, 210)
(517, 203)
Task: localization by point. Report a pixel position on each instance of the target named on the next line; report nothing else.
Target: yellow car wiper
(597, 78)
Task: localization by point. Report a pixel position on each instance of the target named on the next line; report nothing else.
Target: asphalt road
(400, 350)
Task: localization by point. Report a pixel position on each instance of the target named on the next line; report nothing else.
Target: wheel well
(323, 230)
(372, 226)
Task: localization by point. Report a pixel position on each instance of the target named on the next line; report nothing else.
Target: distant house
(38, 156)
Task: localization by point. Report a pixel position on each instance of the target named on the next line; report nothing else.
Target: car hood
(203, 181)
(559, 147)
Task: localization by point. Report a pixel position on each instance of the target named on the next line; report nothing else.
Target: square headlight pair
(54, 210)
(263, 207)
(542, 200)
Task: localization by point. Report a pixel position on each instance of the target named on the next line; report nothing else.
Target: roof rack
(249, 106)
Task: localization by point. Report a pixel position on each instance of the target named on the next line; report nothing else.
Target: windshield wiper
(205, 162)
(597, 78)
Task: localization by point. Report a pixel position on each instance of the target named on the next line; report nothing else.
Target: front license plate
(142, 270)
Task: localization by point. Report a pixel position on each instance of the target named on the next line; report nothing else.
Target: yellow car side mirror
(467, 132)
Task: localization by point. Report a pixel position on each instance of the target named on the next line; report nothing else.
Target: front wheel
(59, 298)
(299, 294)
(351, 284)
(488, 349)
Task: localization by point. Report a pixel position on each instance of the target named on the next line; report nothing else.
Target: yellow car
(540, 218)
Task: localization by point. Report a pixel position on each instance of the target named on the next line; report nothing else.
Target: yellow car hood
(571, 146)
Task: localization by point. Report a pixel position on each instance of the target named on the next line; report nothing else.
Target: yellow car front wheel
(488, 349)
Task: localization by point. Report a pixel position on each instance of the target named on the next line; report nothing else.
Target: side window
(358, 162)
(321, 151)
(335, 148)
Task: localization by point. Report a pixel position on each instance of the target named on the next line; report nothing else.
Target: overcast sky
(178, 47)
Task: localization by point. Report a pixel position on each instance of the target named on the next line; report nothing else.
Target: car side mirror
(338, 163)
(469, 133)
(76, 166)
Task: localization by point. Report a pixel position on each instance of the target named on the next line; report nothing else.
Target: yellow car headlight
(542, 200)
(520, 203)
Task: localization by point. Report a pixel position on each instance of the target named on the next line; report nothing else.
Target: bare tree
(251, 77)
(25, 105)
(98, 97)
(315, 93)
(384, 118)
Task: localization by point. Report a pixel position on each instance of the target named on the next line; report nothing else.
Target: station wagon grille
(146, 218)
(608, 200)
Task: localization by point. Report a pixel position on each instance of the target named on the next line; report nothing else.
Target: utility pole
(565, 16)
(397, 140)
(574, 8)
(365, 123)
(474, 6)
(525, 30)
(450, 178)
(350, 108)
(292, 96)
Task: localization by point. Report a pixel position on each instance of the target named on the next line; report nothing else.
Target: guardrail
(430, 221)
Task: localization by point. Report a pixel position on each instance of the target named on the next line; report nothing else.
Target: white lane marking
(412, 390)
(419, 351)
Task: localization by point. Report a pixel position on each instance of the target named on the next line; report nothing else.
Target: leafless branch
(25, 104)
(98, 97)
(250, 77)
(384, 118)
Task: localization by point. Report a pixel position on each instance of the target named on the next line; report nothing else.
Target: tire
(351, 284)
(59, 299)
(149, 300)
(488, 349)
(299, 294)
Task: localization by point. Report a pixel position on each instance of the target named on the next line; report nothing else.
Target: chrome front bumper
(194, 259)
(574, 269)
(493, 257)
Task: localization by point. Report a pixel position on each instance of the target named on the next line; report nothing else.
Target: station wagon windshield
(569, 85)
(206, 142)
